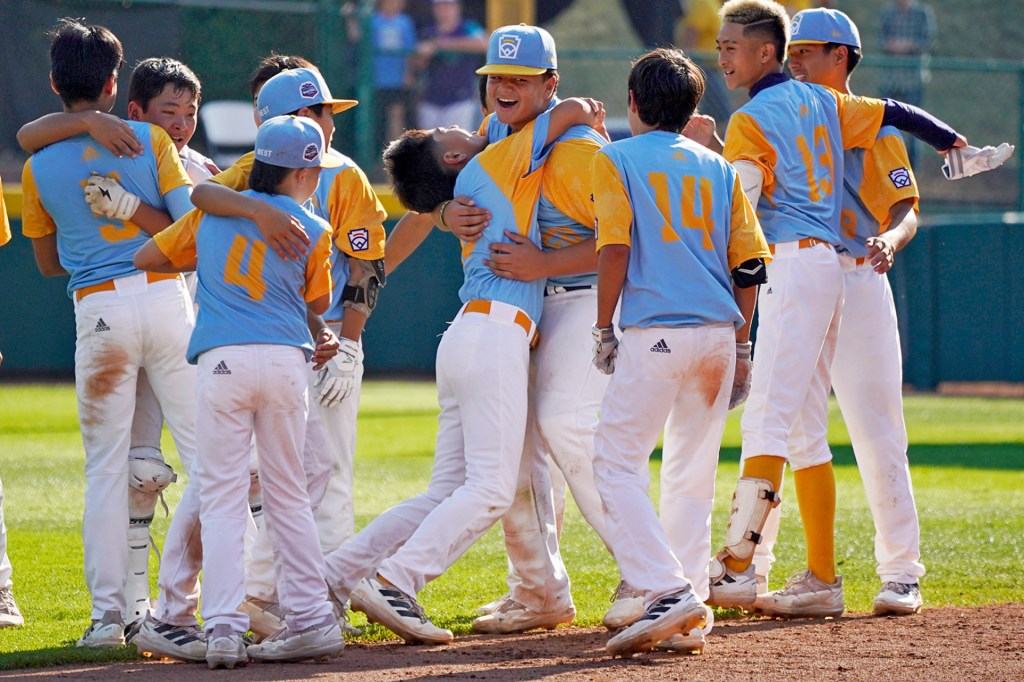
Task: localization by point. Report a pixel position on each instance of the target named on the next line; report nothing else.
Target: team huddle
(608, 298)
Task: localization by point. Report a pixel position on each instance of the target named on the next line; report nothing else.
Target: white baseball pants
(265, 393)
(683, 388)
(139, 324)
(5, 562)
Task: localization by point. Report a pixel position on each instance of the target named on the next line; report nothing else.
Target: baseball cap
(819, 26)
(293, 89)
(293, 142)
(520, 51)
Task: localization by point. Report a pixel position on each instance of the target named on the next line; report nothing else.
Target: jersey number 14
(688, 216)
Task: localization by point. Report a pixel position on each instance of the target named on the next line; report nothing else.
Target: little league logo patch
(794, 28)
(309, 90)
(508, 47)
(359, 239)
(900, 177)
(311, 152)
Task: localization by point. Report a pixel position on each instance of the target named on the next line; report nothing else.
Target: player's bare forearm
(324, 339)
(110, 131)
(150, 258)
(746, 300)
(411, 231)
(521, 259)
(572, 112)
(282, 231)
(462, 217)
(902, 228)
(352, 324)
(150, 219)
(612, 263)
(47, 259)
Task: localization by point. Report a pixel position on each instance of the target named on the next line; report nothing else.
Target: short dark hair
(419, 179)
(316, 109)
(763, 18)
(853, 55)
(265, 177)
(82, 58)
(273, 65)
(151, 76)
(666, 87)
(482, 92)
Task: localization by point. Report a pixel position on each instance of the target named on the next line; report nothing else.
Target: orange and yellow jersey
(681, 211)
(5, 223)
(95, 249)
(795, 133)
(247, 294)
(505, 178)
(875, 180)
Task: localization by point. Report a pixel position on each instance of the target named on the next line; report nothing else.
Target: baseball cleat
(804, 596)
(674, 613)
(898, 599)
(692, 642)
(729, 589)
(323, 643)
(492, 606)
(225, 648)
(106, 633)
(512, 616)
(265, 617)
(163, 640)
(10, 614)
(387, 605)
(627, 608)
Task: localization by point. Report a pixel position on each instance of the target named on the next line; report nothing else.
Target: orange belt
(522, 319)
(860, 261)
(109, 284)
(804, 243)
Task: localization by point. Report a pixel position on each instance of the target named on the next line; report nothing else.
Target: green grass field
(967, 459)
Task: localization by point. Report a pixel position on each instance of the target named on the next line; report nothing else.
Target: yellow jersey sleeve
(744, 140)
(482, 130)
(236, 177)
(567, 179)
(356, 215)
(507, 164)
(35, 221)
(178, 242)
(318, 269)
(5, 223)
(746, 240)
(886, 166)
(170, 171)
(612, 208)
(860, 119)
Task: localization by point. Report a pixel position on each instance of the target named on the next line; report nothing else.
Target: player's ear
(632, 102)
(134, 111)
(53, 86)
(110, 87)
(454, 158)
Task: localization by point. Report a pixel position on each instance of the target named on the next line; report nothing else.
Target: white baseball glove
(963, 162)
(338, 377)
(741, 380)
(606, 348)
(107, 197)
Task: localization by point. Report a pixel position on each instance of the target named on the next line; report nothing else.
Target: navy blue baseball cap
(819, 26)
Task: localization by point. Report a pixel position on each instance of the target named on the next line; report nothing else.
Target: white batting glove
(338, 377)
(963, 162)
(606, 348)
(107, 197)
(741, 380)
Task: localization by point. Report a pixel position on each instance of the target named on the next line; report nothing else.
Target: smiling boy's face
(174, 110)
(518, 100)
(742, 58)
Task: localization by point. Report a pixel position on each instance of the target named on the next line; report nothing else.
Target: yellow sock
(816, 495)
(768, 467)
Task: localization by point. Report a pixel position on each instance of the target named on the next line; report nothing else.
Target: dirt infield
(960, 644)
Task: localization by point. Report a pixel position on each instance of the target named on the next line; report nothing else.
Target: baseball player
(10, 615)
(481, 433)
(786, 144)
(166, 93)
(251, 345)
(688, 290)
(126, 320)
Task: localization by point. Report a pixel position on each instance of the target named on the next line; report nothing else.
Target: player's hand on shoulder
(106, 197)
(338, 376)
(606, 348)
(114, 134)
(881, 253)
(465, 219)
(519, 258)
(283, 232)
(741, 380)
(701, 129)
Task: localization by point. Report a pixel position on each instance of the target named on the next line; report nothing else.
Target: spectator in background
(908, 30)
(449, 55)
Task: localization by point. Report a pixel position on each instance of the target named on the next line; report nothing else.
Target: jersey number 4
(252, 279)
(688, 216)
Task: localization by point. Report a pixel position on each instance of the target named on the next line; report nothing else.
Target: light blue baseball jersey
(95, 249)
(875, 179)
(247, 294)
(505, 179)
(682, 212)
(795, 133)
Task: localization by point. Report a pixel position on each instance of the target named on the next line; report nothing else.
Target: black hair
(266, 177)
(82, 58)
(419, 179)
(273, 65)
(151, 76)
(853, 55)
(666, 87)
(315, 109)
(762, 18)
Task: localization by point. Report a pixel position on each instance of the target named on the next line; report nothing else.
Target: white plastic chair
(229, 129)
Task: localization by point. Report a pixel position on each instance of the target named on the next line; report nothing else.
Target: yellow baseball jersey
(5, 224)
(702, 17)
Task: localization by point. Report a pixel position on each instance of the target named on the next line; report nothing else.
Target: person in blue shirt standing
(449, 55)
